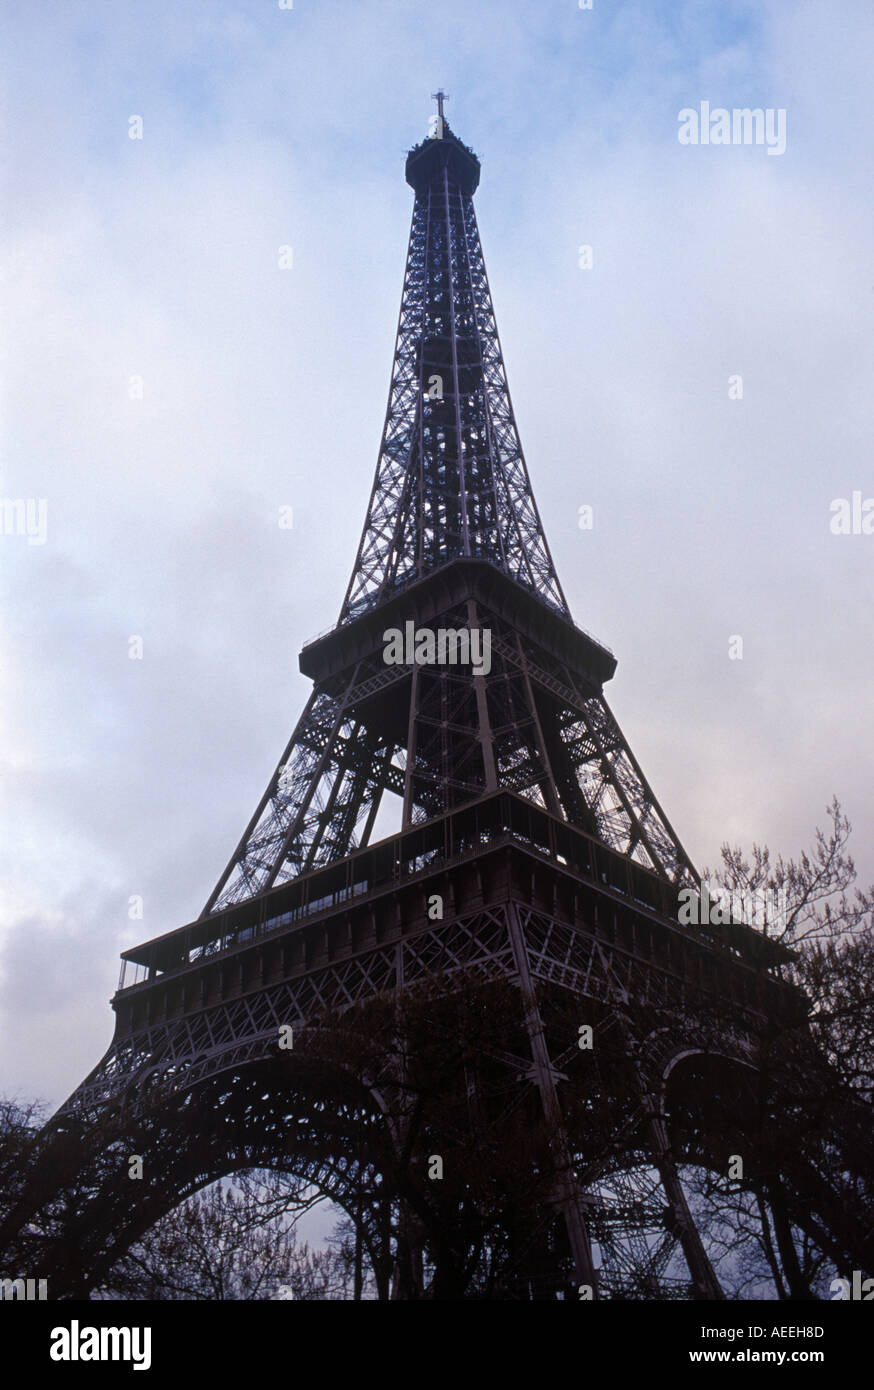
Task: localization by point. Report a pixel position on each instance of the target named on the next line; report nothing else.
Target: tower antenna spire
(439, 97)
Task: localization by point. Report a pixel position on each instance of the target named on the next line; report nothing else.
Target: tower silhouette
(503, 984)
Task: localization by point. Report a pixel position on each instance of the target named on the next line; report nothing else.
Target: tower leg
(569, 1195)
(704, 1278)
(408, 1275)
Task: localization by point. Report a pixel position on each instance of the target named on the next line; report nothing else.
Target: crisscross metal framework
(451, 479)
(522, 806)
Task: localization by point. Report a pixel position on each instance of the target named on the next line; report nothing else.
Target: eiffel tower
(531, 863)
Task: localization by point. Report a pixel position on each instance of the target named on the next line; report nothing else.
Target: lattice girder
(572, 907)
(451, 478)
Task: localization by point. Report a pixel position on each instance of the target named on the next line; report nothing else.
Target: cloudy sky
(157, 261)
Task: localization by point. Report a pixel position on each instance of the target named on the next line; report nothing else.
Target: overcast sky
(265, 387)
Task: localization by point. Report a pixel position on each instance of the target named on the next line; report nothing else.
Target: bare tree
(234, 1240)
(829, 923)
(763, 1232)
(20, 1122)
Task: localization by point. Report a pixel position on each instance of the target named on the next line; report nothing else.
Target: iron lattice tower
(525, 815)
